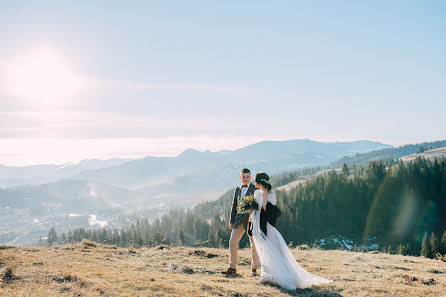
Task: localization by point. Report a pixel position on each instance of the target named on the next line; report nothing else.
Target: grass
(90, 269)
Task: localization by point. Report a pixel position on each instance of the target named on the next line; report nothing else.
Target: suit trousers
(236, 235)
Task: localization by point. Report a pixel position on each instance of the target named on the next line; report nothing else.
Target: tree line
(399, 204)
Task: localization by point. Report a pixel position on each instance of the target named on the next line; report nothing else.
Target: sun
(43, 78)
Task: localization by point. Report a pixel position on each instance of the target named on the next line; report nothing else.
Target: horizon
(176, 153)
(108, 79)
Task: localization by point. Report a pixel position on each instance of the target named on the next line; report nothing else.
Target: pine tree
(407, 249)
(442, 248)
(52, 237)
(148, 239)
(181, 237)
(158, 238)
(403, 249)
(124, 239)
(70, 236)
(355, 171)
(425, 247)
(434, 243)
(63, 238)
(345, 170)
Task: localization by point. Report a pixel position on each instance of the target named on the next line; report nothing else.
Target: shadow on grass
(233, 275)
(309, 292)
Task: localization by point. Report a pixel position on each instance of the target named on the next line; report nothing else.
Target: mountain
(189, 169)
(39, 174)
(195, 171)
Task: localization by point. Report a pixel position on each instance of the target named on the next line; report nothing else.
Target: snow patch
(347, 245)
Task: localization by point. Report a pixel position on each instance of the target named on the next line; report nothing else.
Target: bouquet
(248, 202)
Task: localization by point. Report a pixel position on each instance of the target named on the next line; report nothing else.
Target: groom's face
(245, 178)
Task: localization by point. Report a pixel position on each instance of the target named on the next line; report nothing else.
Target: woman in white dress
(278, 265)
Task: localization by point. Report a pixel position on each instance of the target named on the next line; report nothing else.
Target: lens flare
(405, 215)
(409, 217)
(43, 78)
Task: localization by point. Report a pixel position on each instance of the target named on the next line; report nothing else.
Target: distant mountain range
(40, 174)
(127, 183)
(197, 171)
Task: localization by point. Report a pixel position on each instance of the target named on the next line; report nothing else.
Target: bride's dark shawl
(271, 215)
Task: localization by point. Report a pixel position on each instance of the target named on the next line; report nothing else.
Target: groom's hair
(245, 170)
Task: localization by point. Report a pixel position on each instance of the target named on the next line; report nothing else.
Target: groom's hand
(230, 226)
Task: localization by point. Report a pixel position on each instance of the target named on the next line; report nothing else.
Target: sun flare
(44, 78)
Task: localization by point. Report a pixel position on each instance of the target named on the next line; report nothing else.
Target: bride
(278, 265)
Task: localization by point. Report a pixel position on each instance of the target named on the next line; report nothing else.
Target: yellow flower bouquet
(245, 203)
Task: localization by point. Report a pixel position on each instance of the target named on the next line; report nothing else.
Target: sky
(103, 79)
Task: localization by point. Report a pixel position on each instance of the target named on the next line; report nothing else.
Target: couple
(269, 249)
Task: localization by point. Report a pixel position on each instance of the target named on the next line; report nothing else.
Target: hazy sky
(101, 79)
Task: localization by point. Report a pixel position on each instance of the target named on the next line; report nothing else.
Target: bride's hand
(249, 210)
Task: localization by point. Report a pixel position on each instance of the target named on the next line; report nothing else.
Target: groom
(238, 224)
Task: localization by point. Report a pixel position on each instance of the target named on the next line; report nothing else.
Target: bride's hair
(263, 179)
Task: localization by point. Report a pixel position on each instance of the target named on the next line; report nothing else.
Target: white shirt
(244, 190)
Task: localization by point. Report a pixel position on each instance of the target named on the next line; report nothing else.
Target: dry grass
(96, 270)
(287, 187)
(438, 153)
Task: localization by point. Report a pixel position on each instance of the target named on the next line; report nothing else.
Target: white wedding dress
(278, 265)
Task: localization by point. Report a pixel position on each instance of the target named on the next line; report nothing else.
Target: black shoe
(230, 271)
(254, 272)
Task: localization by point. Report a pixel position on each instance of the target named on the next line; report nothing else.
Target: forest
(404, 205)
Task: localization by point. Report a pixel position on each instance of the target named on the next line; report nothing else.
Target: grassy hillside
(88, 269)
(388, 154)
(438, 153)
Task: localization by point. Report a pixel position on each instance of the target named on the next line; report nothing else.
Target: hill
(432, 154)
(88, 269)
(387, 154)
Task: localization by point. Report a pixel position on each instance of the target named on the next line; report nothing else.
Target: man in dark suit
(238, 224)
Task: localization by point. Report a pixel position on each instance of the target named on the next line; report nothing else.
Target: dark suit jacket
(236, 218)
